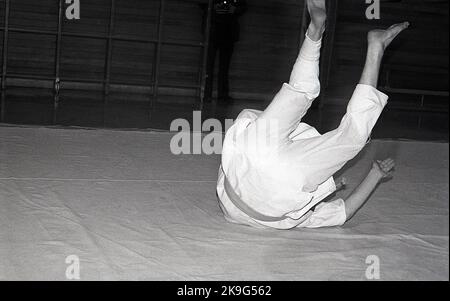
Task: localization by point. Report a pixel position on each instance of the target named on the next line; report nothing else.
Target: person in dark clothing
(224, 34)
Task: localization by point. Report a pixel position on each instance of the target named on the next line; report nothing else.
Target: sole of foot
(383, 37)
(318, 14)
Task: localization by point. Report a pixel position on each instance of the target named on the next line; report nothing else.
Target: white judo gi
(281, 168)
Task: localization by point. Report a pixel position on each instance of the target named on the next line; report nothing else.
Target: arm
(380, 170)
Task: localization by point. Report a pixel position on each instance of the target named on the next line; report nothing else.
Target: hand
(384, 168)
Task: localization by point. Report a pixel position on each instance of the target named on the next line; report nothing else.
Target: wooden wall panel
(183, 21)
(2, 20)
(262, 61)
(1, 50)
(180, 65)
(31, 14)
(418, 59)
(2, 11)
(132, 63)
(94, 18)
(136, 18)
(270, 32)
(83, 58)
(270, 35)
(31, 54)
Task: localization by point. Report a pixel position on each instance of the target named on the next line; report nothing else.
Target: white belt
(236, 200)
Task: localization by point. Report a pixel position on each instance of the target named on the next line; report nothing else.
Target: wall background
(417, 60)
(263, 58)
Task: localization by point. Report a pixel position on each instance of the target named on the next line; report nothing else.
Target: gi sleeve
(326, 214)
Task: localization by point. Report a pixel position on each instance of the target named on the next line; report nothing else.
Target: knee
(310, 89)
(355, 131)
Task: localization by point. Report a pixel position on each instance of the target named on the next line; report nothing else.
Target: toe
(396, 29)
(401, 26)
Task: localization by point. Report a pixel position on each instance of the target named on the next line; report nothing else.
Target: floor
(131, 210)
(123, 110)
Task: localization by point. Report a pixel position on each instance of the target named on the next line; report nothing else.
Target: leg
(210, 71)
(319, 158)
(226, 53)
(378, 41)
(292, 102)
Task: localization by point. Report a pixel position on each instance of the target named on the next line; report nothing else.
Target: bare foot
(379, 38)
(318, 13)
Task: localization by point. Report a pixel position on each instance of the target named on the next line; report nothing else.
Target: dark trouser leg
(226, 53)
(210, 70)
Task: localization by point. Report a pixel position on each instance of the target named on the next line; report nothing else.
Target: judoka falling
(282, 183)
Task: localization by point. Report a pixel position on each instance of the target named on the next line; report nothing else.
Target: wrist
(376, 174)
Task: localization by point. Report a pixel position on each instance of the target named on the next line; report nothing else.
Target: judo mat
(131, 210)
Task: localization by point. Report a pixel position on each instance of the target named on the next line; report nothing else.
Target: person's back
(266, 182)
